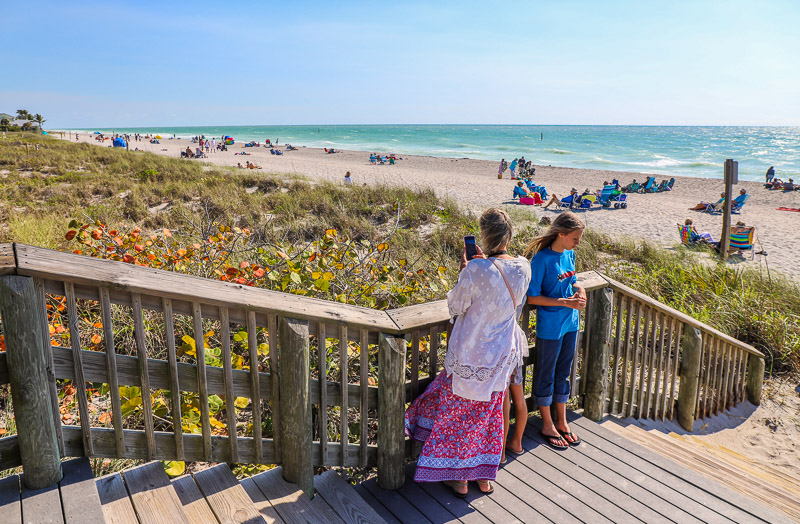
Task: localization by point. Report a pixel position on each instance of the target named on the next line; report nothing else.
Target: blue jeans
(553, 366)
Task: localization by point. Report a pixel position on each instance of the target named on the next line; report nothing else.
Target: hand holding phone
(471, 247)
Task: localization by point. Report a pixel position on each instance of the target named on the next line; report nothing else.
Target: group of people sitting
(188, 153)
(248, 165)
(610, 195)
(375, 158)
(718, 206)
(649, 186)
(519, 167)
(331, 151)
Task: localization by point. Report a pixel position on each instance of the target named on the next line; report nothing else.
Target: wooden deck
(606, 479)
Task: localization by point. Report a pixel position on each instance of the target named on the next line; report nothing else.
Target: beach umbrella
(97, 133)
(158, 136)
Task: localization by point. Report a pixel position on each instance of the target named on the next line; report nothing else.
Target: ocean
(698, 151)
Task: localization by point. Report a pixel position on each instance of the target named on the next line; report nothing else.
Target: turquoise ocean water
(675, 151)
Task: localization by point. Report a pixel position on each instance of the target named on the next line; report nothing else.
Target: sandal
(554, 441)
(482, 483)
(514, 451)
(571, 438)
(452, 485)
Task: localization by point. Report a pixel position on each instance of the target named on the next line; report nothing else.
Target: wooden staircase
(755, 479)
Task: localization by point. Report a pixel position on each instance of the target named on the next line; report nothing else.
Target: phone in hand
(472, 247)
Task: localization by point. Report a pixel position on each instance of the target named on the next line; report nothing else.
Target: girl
(459, 417)
(558, 300)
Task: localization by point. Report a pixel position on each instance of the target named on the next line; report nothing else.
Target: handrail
(8, 263)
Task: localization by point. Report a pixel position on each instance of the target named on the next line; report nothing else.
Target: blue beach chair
(649, 186)
(739, 202)
(610, 196)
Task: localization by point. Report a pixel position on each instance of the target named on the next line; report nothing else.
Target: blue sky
(150, 63)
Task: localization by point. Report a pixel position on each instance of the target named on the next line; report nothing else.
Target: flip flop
(570, 437)
(514, 451)
(552, 441)
(452, 485)
(484, 483)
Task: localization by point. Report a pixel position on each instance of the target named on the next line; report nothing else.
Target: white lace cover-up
(486, 343)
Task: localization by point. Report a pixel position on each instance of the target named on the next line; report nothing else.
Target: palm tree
(5, 123)
(39, 120)
(22, 114)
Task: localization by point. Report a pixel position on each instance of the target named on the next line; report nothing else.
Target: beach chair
(739, 202)
(663, 186)
(586, 201)
(688, 236)
(742, 240)
(610, 196)
(519, 193)
(671, 183)
(649, 186)
(569, 201)
(633, 187)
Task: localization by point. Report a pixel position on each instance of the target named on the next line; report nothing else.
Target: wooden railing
(636, 357)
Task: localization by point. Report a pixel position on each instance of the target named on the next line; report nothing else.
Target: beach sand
(474, 185)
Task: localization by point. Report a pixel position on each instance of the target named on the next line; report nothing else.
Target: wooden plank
(264, 506)
(322, 369)
(41, 505)
(713, 397)
(275, 388)
(291, 503)
(117, 507)
(675, 369)
(623, 394)
(79, 269)
(643, 369)
(634, 370)
(152, 495)
(10, 502)
(433, 353)
(729, 370)
(341, 497)
(226, 496)
(202, 383)
(395, 503)
(363, 382)
(9, 453)
(8, 262)
(666, 355)
(144, 375)
(429, 505)
(616, 355)
(344, 423)
(80, 380)
(659, 381)
(79, 498)
(174, 379)
(111, 368)
(460, 509)
(391, 409)
(255, 388)
(230, 398)
(195, 505)
(41, 300)
(375, 504)
(415, 339)
(701, 386)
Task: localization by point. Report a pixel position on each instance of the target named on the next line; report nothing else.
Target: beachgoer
(558, 300)
(520, 191)
(347, 179)
(502, 168)
(770, 174)
(513, 168)
(703, 206)
(704, 237)
(789, 186)
(557, 201)
(459, 417)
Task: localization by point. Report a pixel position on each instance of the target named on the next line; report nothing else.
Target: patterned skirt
(463, 439)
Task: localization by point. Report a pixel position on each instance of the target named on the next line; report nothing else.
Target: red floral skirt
(463, 439)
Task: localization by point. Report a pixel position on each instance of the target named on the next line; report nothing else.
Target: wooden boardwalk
(606, 479)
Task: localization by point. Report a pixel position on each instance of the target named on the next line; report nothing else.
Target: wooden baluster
(433, 353)
(144, 374)
(227, 374)
(415, 364)
(634, 370)
(666, 354)
(722, 387)
(275, 405)
(172, 355)
(391, 408)
(623, 394)
(703, 381)
(111, 367)
(713, 399)
(255, 387)
(730, 394)
(364, 350)
(202, 383)
(676, 360)
(652, 376)
(596, 364)
(645, 360)
(343, 365)
(77, 362)
(692, 353)
(47, 351)
(612, 405)
(322, 351)
(738, 379)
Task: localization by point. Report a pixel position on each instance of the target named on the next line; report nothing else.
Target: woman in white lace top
(460, 415)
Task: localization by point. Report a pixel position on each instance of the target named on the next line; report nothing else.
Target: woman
(709, 206)
(558, 300)
(460, 416)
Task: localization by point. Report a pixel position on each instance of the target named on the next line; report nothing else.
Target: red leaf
(128, 258)
(97, 234)
(70, 234)
(258, 273)
(231, 271)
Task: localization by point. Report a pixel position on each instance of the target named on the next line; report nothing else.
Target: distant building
(6, 115)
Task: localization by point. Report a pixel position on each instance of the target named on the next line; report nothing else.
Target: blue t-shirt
(553, 275)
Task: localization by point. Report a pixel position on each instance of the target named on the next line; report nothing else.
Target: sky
(146, 63)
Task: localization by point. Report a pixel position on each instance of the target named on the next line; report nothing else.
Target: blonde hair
(496, 230)
(688, 222)
(565, 224)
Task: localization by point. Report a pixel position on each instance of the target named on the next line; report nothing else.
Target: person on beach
(459, 417)
(347, 180)
(513, 169)
(704, 237)
(558, 300)
(770, 174)
(709, 206)
(573, 194)
(502, 168)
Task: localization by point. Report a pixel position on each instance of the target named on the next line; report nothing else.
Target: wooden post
(755, 378)
(295, 402)
(391, 411)
(601, 317)
(27, 370)
(731, 178)
(691, 358)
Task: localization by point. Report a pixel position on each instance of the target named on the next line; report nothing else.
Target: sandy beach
(474, 184)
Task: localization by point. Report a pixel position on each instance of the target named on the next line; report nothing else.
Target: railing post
(391, 411)
(601, 318)
(295, 403)
(27, 370)
(755, 379)
(691, 358)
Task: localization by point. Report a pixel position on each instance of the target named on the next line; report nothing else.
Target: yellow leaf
(174, 468)
(330, 232)
(327, 275)
(316, 275)
(96, 339)
(241, 402)
(216, 423)
(382, 247)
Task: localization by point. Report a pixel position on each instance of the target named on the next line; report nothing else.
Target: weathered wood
(111, 367)
(623, 394)
(80, 381)
(3, 370)
(144, 375)
(364, 398)
(295, 403)
(174, 380)
(79, 498)
(202, 383)
(290, 502)
(152, 495)
(645, 351)
(41, 300)
(667, 355)
(691, 353)
(226, 496)
(391, 409)
(339, 497)
(43, 504)
(79, 269)
(262, 504)
(636, 334)
(322, 369)
(415, 340)
(675, 369)
(8, 262)
(274, 396)
(41, 461)
(10, 504)
(9, 453)
(255, 388)
(117, 507)
(616, 356)
(195, 505)
(230, 398)
(596, 367)
(343, 370)
(755, 380)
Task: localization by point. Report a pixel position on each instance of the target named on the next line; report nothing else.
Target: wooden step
(153, 496)
(227, 498)
(80, 500)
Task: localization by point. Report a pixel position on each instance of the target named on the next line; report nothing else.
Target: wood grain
(195, 505)
(153, 496)
(10, 503)
(339, 496)
(227, 497)
(291, 503)
(117, 507)
(79, 498)
(8, 263)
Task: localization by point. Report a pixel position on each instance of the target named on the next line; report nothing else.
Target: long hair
(565, 223)
(496, 230)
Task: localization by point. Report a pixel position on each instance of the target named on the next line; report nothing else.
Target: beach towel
(789, 209)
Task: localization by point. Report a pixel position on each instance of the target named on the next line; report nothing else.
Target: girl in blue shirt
(558, 300)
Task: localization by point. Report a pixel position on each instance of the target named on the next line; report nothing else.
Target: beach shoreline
(473, 183)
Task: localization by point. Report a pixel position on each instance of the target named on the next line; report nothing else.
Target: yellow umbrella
(158, 136)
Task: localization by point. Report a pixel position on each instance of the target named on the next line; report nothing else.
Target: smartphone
(472, 248)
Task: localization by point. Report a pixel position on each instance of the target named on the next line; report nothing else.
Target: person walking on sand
(558, 300)
(459, 417)
(502, 168)
(347, 180)
(770, 174)
(513, 168)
